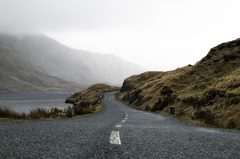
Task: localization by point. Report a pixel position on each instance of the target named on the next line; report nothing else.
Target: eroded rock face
(158, 105)
(134, 96)
(132, 82)
(126, 86)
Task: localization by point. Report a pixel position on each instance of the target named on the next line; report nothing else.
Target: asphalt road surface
(117, 132)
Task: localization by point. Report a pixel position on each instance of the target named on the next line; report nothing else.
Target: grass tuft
(7, 114)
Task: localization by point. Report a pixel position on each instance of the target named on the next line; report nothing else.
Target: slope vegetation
(208, 91)
(88, 100)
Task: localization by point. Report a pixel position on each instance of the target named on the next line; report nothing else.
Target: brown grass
(86, 101)
(8, 113)
(210, 89)
(38, 113)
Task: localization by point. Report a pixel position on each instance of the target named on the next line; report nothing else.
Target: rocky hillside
(88, 100)
(208, 91)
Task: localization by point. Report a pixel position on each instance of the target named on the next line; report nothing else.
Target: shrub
(54, 112)
(211, 94)
(230, 123)
(147, 108)
(38, 113)
(79, 110)
(180, 112)
(208, 98)
(158, 105)
(166, 91)
(194, 101)
(234, 85)
(206, 115)
(168, 100)
(233, 100)
(8, 113)
(67, 112)
(232, 56)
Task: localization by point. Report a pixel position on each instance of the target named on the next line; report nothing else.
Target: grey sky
(159, 34)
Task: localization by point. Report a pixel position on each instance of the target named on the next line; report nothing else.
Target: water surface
(26, 101)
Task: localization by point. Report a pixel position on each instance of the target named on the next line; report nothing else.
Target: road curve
(117, 132)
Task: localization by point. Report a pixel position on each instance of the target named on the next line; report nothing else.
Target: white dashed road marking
(115, 138)
(123, 121)
(115, 135)
(118, 126)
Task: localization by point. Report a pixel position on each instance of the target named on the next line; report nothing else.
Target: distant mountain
(16, 74)
(208, 91)
(70, 64)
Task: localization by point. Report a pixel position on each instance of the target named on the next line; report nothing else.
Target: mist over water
(24, 102)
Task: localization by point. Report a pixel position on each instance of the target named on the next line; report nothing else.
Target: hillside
(208, 91)
(69, 64)
(16, 74)
(88, 100)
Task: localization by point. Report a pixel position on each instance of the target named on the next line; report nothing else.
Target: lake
(26, 101)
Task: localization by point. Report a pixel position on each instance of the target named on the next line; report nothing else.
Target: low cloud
(169, 33)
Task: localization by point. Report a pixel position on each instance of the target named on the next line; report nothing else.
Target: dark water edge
(24, 102)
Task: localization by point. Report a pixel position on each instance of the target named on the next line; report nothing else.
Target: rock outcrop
(88, 100)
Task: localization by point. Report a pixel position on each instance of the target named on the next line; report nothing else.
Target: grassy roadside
(18, 120)
(99, 109)
(184, 119)
(187, 120)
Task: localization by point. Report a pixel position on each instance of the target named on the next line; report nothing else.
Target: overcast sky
(158, 34)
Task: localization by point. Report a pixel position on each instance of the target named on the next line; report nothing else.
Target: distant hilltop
(35, 62)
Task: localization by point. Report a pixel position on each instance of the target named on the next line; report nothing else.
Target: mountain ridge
(72, 64)
(18, 75)
(40, 55)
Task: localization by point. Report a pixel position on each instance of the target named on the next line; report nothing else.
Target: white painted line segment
(115, 138)
(122, 122)
(118, 126)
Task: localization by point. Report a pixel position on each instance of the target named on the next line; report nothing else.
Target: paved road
(117, 132)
